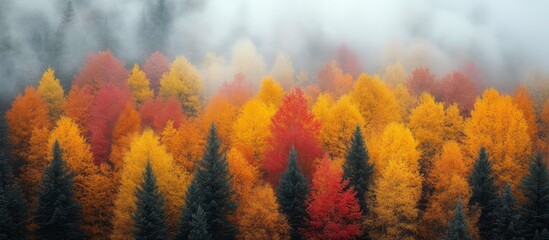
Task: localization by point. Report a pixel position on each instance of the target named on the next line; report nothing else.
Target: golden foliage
(139, 85)
(270, 92)
(183, 82)
(51, 91)
(127, 125)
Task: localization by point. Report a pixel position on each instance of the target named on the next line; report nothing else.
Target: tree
(251, 131)
(237, 91)
(397, 192)
(421, 80)
(292, 126)
(453, 124)
(483, 193)
(246, 60)
(198, 226)
(427, 124)
(395, 74)
(172, 183)
(497, 124)
(448, 179)
(52, 93)
(127, 126)
(259, 216)
(525, 104)
(457, 228)
(158, 112)
(376, 102)
(210, 189)
(27, 112)
(406, 101)
(535, 187)
(58, 215)
(350, 63)
(149, 217)
(283, 71)
(13, 206)
(101, 68)
(358, 170)
(332, 79)
(184, 83)
(338, 126)
(457, 88)
(397, 142)
(291, 195)
(77, 106)
(508, 224)
(223, 114)
(108, 103)
(270, 92)
(154, 67)
(185, 143)
(332, 207)
(94, 187)
(139, 86)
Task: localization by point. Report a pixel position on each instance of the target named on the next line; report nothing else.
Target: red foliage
(237, 92)
(349, 61)
(156, 65)
(332, 79)
(100, 68)
(420, 80)
(156, 113)
(457, 88)
(333, 209)
(292, 125)
(105, 108)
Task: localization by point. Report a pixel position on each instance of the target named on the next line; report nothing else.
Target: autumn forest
(165, 146)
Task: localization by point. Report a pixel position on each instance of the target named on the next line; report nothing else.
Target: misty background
(507, 40)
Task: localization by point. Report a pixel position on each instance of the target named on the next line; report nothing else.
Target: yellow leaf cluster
(183, 82)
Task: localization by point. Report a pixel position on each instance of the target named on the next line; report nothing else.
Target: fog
(506, 39)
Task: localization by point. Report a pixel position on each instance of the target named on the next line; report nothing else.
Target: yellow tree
(395, 74)
(251, 130)
(397, 143)
(337, 130)
(498, 124)
(270, 92)
(376, 102)
(525, 104)
(27, 112)
(185, 143)
(172, 183)
(397, 192)
(453, 124)
(449, 180)
(322, 106)
(51, 91)
(139, 85)
(257, 215)
(427, 125)
(127, 125)
(406, 101)
(93, 185)
(183, 82)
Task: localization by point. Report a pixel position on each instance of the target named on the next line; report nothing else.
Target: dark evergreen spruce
(211, 191)
(58, 215)
(291, 195)
(507, 223)
(149, 217)
(13, 206)
(357, 168)
(484, 193)
(535, 188)
(198, 226)
(543, 236)
(458, 227)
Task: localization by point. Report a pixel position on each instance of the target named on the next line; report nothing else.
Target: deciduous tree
(139, 85)
(100, 68)
(52, 93)
(185, 83)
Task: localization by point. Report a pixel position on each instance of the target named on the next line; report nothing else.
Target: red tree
(100, 68)
(457, 88)
(237, 92)
(332, 79)
(333, 209)
(349, 61)
(292, 125)
(105, 108)
(420, 80)
(156, 113)
(156, 65)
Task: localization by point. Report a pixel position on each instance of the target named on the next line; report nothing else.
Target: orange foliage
(331, 79)
(127, 125)
(77, 107)
(185, 143)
